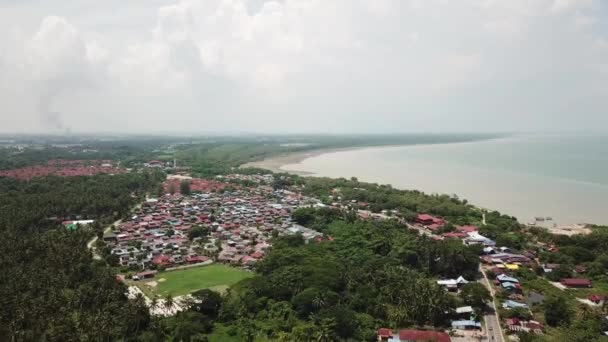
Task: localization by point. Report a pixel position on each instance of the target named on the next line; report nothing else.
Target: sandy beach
(275, 163)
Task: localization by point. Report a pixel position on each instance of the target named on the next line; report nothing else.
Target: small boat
(540, 219)
(549, 218)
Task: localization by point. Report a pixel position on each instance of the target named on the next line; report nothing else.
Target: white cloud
(302, 65)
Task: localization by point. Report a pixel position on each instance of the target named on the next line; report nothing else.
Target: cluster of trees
(41, 203)
(407, 203)
(589, 251)
(372, 274)
(502, 228)
(51, 289)
(128, 152)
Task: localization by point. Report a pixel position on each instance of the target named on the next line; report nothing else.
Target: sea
(560, 176)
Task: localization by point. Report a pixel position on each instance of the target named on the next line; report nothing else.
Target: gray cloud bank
(303, 65)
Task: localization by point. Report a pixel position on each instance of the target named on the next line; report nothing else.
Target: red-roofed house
(162, 260)
(467, 229)
(257, 255)
(435, 226)
(195, 259)
(454, 235)
(597, 299)
(146, 274)
(423, 335)
(384, 334)
(426, 219)
(576, 282)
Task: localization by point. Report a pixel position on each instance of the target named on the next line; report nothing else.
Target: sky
(303, 66)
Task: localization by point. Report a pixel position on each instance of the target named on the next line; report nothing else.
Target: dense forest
(50, 288)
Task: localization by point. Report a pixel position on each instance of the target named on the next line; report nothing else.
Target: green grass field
(181, 282)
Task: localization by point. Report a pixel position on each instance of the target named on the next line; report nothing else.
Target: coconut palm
(169, 302)
(325, 332)
(154, 303)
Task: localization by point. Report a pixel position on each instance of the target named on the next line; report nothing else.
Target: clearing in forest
(181, 282)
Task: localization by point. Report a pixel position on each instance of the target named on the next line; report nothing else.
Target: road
(91, 243)
(423, 231)
(491, 319)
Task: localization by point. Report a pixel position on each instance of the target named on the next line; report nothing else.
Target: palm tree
(584, 311)
(247, 329)
(319, 300)
(169, 302)
(283, 337)
(154, 303)
(187, 302)
(325, 330)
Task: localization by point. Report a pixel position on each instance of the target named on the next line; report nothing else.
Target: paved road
(492, 326)
(492, 321)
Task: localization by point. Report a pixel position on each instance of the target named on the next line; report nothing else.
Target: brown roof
(576, 282)
(423, 335)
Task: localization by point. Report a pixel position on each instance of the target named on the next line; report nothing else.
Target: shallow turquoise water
(565, 176)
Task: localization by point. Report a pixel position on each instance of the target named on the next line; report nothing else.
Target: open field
(181, 282)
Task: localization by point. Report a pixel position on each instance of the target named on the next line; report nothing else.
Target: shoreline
(566, 225)
(276, 163)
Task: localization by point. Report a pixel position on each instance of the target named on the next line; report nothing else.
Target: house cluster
(468, 234)
(512, 287)
(431, 223)
(467, 319)
(255, 178)
(517, 325)
(465, 316)
(246, 222)
(157, 164)
(409, 335)
(503, 258)
(64, 168)
(237, 226)
(172, 185)
(503, 262)
(452, 285)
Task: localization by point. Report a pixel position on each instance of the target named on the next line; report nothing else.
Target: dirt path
(91, 243)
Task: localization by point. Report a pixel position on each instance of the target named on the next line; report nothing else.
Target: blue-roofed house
(474, 238)
(510, 304)
(511, 287)
(505, 278)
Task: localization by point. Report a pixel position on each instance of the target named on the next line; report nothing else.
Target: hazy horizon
(303, 66)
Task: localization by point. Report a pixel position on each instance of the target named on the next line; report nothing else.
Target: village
(513, 304)
(237, 226)
(64, 168)
(232, 227)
